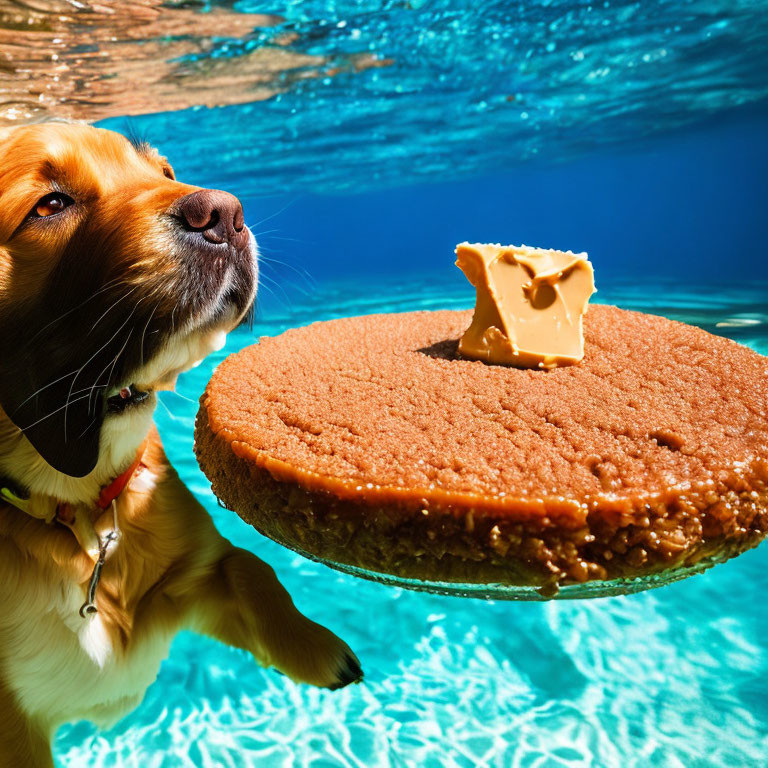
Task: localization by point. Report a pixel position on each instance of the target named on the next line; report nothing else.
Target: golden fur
(171, 569)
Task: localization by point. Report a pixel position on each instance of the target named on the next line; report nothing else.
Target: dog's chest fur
(60, 666)
(63, 667)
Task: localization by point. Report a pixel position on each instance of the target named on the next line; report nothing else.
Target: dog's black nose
(217, 215)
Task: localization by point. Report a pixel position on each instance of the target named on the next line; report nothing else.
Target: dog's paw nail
(351, 672)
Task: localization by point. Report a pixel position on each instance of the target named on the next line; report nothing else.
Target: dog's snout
(217, 215)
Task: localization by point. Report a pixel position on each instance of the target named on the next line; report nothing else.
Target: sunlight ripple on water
(401, 91)
(341, 94)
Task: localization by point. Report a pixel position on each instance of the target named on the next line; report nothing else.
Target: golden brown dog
(114, 278)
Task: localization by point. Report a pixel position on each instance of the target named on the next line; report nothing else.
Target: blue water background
(665, 186)
(691, 204)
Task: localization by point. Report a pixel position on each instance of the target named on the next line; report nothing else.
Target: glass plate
(589, 589)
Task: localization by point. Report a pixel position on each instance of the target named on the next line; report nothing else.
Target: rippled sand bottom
(673, 677)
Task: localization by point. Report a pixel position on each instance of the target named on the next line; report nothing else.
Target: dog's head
(114, 277)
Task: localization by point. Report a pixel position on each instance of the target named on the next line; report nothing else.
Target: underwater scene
(669, 677)
(366, 139)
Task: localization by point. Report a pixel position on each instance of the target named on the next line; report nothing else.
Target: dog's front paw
(309, 653)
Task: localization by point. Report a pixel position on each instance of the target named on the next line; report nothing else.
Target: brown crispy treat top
(380, 408)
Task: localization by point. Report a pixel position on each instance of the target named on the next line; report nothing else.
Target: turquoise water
(674, 677)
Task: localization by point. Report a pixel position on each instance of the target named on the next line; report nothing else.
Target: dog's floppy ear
(44, 395)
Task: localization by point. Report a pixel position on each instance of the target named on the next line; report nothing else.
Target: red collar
(65, 513)
(110, 492)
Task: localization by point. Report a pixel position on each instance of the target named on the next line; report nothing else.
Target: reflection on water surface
(349, 93)
(89, 60)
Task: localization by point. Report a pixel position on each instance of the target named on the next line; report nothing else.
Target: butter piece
(530, 304)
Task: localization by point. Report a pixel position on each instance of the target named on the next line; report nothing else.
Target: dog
(114, 278)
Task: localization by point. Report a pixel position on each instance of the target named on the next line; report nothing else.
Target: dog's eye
(168, 173)
(51, 204)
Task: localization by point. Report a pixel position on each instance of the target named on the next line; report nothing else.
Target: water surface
(343, 94)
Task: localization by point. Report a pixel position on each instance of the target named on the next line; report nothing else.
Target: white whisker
(101, 290)
(277, 213)
(53, 413)
(144, 333)
(82, 368)
(124, 296)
